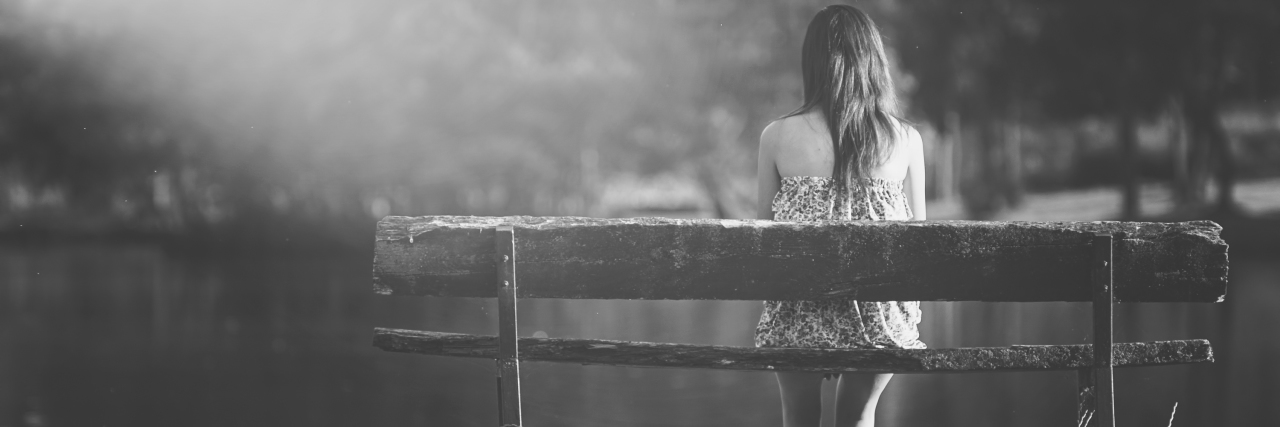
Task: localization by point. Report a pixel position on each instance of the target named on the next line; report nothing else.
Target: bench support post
(1096, 385)
(508, 353)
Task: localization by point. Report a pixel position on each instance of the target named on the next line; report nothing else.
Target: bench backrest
(658, 258)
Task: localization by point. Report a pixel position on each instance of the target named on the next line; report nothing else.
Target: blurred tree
(1231, 57)
(1109, 62)
(61, 127)
(971, 62)
(1135, 60)
(993, 61)
(343, 111)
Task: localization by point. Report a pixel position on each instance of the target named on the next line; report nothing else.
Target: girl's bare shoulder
(904, 130)
(793, 131)
(799, 145)
(908, 135)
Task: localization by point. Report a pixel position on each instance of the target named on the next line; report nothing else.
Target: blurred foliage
(1000, 62)
(284, 116)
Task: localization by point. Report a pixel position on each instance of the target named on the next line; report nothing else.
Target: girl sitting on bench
(843, 155)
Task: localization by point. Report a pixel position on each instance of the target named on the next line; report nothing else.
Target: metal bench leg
(1103, 300)
(1086, 397)
(508, 354)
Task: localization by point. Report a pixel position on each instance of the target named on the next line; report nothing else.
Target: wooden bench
(655, 258)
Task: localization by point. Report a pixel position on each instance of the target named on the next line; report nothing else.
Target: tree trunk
(1221, 146)
(983, 192)
(1197, 159)
(1013, 160)
(715, 192)
(1179, 146)
(948, 158)
(1211, 149)
(1126, 133)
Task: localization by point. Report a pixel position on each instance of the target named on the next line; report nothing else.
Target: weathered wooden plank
(643, 354)
(658, 258)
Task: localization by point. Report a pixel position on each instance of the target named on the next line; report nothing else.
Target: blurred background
(188, 193)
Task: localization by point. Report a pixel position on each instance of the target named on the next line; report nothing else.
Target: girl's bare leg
(801, 399)
(856, 398)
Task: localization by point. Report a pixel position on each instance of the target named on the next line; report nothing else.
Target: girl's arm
(915, 176)
(767, 178)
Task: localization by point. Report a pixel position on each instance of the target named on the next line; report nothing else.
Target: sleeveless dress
(843, 323)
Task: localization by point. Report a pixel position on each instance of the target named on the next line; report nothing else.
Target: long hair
(847, 76)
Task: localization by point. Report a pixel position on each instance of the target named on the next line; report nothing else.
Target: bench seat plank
(645, 354)
(661, 258)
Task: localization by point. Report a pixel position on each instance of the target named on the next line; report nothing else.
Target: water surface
(100, 334)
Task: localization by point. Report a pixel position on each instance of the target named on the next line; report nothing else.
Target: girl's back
(800, 146)
(798, 150)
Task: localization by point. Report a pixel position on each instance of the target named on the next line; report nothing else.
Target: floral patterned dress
(839, 323)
